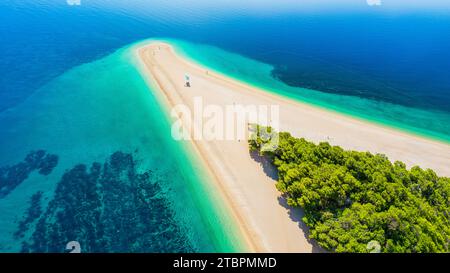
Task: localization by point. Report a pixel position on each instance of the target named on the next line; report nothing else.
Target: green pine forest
(358, 201)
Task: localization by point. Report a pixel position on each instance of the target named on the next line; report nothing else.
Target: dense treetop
(355, 201)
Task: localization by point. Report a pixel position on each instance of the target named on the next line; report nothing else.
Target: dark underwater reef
(33, 213)
(109, 207)
(13, 176)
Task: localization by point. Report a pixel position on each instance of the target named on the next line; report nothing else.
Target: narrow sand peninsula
(247, 184)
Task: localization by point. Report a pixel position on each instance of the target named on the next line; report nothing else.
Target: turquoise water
(84, 116)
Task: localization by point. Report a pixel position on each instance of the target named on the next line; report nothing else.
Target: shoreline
(280, 92)
(249, 243)
(222, 159)
(407, 131)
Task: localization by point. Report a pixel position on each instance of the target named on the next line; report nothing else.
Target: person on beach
(187, 80)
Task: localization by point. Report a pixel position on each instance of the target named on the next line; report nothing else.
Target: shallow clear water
(85, 116)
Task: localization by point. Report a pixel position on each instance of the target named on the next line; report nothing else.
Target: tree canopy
(355, 200)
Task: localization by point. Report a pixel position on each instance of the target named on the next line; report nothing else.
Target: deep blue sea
(391, 54)
(374, 52)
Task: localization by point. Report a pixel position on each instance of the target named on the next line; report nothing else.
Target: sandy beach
(245, 181)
